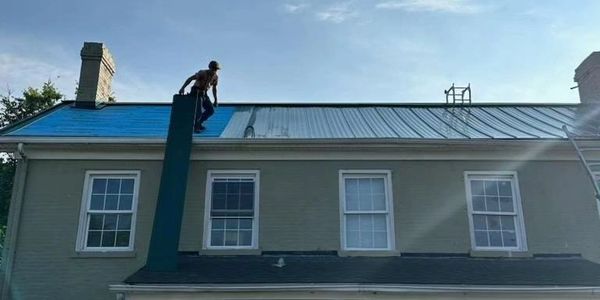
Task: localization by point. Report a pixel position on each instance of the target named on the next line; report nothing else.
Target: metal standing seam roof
(331, 121)
(332, 269)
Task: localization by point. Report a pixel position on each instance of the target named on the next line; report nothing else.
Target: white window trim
(520, 232)
(80, 245)
(387, 174)
(255, 174)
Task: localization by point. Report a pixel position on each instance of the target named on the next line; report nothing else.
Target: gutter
(14, 219)
(348, 288)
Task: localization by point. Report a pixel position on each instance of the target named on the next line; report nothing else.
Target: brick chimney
(95, 78)
(587, 76)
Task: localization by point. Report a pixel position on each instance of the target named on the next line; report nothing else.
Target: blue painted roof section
(136, 121)
(329, 121)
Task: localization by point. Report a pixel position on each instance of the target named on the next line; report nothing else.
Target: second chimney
(95, 77)
(587, 76)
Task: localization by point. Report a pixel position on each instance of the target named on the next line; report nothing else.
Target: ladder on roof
(458, 94)
(592, 167)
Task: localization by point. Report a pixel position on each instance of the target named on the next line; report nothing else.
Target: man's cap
(213, 65)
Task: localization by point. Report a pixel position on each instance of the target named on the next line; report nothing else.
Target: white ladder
(581, 150)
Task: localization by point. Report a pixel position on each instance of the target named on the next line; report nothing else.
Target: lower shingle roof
(451, 270)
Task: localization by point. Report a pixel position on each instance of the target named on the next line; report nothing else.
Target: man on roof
(204, 80)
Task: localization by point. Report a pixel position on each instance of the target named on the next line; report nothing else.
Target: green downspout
(164, 242)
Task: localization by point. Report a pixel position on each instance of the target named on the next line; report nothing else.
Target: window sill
(104, 254)
(500, 253)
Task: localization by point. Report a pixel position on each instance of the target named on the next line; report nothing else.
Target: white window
(108, 210)
(495, 213)
(231, 210)
(366, 206)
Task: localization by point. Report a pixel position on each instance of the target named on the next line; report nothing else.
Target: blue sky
(308, 51)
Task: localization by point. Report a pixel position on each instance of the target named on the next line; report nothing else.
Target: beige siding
(298, 211)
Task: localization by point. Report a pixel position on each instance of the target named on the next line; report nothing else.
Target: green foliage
(13, 109)
(33, 101)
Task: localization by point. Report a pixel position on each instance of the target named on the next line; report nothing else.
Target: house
(306, 201)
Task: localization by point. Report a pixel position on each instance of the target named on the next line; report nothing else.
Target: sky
(367, 51)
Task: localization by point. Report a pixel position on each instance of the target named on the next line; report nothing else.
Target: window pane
(352, 202)
(509, 238)
(379, 223)
(94, 238)
(365, 201)
(491, 188)
(245, 223)
(217, 238)
(246, 238)
(352, 239)
(495, 239)
(125, 202)
(351, 186)
(478, 203)
(492, 203)
(99, 186)
(96, 221)
(493, 222)
(232, 223)
(122, 238)
(112, 202)
(379, 201)
(219, 187)
(231, 238)
(366, 223)
(97, 202)
(218, 201)
(113, 186)
(481, 238)
(377, 186)
(380, 240)
(124, 222)
(506, 204)
(508, 222)
(352, 223)
(126, 186)
(233, 188)
(364, 186)
(505, 188)
(247, 187)
(366, 239)
(233, 201)
(477, 188)
(110, 222)
(479, 222)
(218, 224)
(108, 238)
(246, 201)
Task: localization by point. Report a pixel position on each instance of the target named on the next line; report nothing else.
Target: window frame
(82, 231)
(212, 174)
(520, 232)
(387, 176)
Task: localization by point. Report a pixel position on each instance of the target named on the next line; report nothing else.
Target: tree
(13, 109)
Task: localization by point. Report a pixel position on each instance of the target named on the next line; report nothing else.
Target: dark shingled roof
(332, 269)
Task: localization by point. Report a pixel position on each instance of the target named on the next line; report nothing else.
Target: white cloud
(19, 72)
(337, 13)
(448, 6)
(294, 8)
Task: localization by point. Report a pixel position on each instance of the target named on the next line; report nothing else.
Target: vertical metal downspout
(14, 219)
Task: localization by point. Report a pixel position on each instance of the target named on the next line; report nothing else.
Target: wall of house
(299, 210)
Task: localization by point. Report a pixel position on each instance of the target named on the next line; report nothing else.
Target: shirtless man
(204, 79)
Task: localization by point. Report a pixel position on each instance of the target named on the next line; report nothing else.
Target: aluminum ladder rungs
(592, 174)
(589, 149)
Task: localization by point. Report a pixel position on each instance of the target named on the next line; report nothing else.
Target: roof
(427, 270)
(314, 121)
